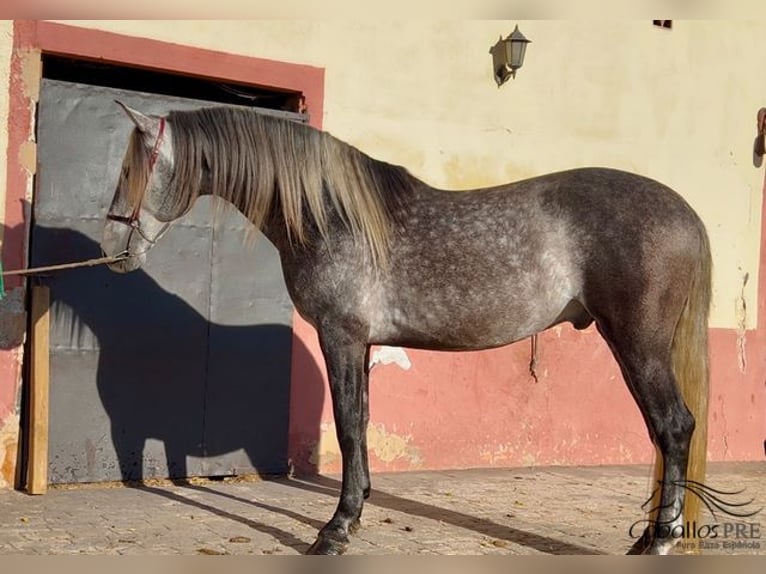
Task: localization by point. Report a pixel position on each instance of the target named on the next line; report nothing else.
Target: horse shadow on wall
(164, 372)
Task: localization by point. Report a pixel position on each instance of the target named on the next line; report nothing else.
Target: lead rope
(88, 263)
(47, 268)
(533, 357)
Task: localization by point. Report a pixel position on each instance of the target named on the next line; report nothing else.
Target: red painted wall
(449, 410)
(481, 409)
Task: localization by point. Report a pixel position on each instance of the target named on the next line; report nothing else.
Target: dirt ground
(549, 510)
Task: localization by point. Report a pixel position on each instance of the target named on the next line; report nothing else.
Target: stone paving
(551, 510)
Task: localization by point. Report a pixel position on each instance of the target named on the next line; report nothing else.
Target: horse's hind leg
(367, 486)
(643, 350)
(345, 355)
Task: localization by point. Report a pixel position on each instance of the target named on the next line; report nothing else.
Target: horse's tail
(691, 369)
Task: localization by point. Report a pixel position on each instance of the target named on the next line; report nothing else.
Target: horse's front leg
(366, 482)
(344, 355)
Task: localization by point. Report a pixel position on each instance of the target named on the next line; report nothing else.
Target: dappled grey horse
(372, 255)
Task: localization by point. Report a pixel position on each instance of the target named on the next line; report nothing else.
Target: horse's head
(142, 207)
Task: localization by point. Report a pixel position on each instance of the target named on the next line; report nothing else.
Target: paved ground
(582, 510)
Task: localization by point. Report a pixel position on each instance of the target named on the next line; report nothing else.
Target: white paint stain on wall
(389, 356)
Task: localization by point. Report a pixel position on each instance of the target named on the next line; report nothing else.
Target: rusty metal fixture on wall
(508, 55)
(760, 140)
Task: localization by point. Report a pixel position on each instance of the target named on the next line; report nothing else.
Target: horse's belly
(464, 325)
(448, 303)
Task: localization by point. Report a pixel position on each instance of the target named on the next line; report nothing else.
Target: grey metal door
(181, 368)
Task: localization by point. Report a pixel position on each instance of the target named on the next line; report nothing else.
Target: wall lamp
(508, 55)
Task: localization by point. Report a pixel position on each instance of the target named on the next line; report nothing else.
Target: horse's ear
(144, 123)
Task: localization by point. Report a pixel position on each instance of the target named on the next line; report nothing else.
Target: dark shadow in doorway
(151, 353)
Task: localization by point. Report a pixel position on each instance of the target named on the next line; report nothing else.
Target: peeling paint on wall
(499, 453)
(327, 450)
(9, 440)
(6, 31)
(741, 315)
(31, 72)
(384, 445)
(28, 156)
(13, 319)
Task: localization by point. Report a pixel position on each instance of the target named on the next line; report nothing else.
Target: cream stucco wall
(676, 105)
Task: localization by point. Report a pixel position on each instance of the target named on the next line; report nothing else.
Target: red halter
(132, 219)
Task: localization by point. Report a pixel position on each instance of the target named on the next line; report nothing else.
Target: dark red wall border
(66, 40)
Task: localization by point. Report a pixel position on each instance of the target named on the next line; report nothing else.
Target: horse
(372, 255)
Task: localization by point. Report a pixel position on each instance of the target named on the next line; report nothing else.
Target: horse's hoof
(328, 547)
(652, 548)
(642, 544)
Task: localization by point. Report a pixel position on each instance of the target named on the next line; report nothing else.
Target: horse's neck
(275, 230)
